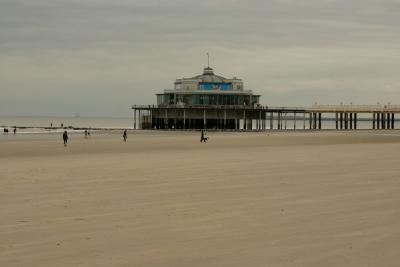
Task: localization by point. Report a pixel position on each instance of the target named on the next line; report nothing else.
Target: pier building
(204, 101)
(208, 89)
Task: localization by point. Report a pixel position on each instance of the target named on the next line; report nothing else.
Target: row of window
(171, 99)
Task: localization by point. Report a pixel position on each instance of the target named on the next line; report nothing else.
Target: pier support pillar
(373, 121)
(378, 121)
(351, 121)
(310, 120)
(265, 121)
(250, 124)
(383, 121)
(224, 119)
(244, 119)
(336, 121)
(279, 120)
(271, 121)
(320, 121)
(355, 121)
(294, 123)
(152, 124)
(392, 120)
(134, 119)
(315, 121)
(284, 117)
(140, 119)
(341, 120)
(304, 120)
(388, 121)
(184, 119)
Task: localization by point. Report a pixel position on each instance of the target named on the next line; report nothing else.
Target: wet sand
(164, 199)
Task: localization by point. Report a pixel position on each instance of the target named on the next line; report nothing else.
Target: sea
(53, 124)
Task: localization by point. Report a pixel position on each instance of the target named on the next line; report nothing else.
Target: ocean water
(36, 124)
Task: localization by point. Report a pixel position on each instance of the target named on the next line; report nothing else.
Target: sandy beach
(164, 199)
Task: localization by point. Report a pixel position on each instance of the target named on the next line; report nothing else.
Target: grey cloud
(79, 53)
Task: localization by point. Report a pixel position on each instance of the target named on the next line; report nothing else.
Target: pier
(210, 101)
(258, 118)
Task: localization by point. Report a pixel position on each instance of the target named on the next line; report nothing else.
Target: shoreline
(77, 129)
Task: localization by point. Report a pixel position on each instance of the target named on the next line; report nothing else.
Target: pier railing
(231, 107)
(354, 108)
(315, 108)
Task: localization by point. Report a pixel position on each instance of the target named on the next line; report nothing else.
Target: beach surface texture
(165, 199)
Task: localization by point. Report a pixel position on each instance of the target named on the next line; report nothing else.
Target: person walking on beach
(65, 138)
(15, 130)
(203, 137)
(125, 136)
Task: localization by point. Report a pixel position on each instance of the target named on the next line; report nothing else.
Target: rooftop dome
(208, 76)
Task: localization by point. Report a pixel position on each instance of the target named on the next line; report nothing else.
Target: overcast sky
(97, 57)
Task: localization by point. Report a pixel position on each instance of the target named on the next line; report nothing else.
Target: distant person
(86, 133)
(51, 125)
(203, 137)
(65, 138)
(62, 125)
(5, 131)
(15, 130)
(125, 136)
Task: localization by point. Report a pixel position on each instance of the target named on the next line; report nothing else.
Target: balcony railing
(183, 106)
(355, 108)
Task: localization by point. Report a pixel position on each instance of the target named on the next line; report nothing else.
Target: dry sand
(164, 199)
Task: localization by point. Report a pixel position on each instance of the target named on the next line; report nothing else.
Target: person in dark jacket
(125, 136)
(65, 138)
